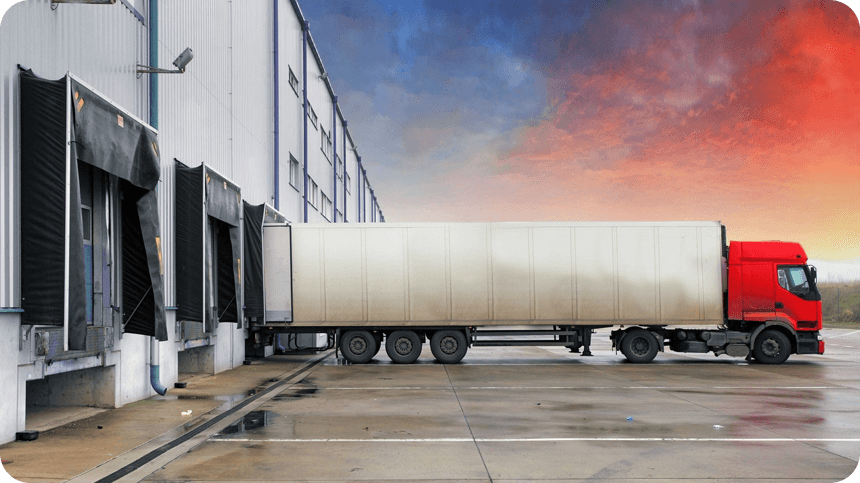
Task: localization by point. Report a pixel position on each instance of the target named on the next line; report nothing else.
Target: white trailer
(408, 282)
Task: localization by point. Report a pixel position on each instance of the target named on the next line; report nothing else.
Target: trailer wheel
(403, 346)
(358, 346)
(639, 346)
(448, 346)
(772, 347)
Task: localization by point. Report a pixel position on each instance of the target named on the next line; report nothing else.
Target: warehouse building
(132, 191)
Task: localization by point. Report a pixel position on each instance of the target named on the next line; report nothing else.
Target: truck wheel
(772, 347)
(448, 346)
(639, 346)
(358, 346)
(403, 346)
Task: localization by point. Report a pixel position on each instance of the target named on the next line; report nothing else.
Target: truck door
(758, 287)
(797, 295)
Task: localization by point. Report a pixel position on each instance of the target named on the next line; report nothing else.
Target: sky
(743, 112)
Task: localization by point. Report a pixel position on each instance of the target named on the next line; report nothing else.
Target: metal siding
(290, 51)
(252, 100)
(101, 44)
(194, 107)
(352, 168)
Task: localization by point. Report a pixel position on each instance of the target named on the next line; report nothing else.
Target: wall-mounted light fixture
(91, 2)
(180, 63)
(324, 76)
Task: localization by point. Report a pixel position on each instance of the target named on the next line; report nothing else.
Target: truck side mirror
(814, 274)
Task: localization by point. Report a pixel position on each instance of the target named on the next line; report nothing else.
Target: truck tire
(403, 346)
(448, 346)
(639, 346)
(772, 347)
(358, 346)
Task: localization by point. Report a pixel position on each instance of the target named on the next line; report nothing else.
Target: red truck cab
(771, 285)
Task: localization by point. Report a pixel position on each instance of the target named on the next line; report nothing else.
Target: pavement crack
(468, 425)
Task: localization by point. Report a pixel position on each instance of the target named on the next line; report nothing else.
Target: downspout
(344, 171)
(154, 369)
(334, 161)
(364, 188)
(277, 166)
(305, 95)
(359, 188)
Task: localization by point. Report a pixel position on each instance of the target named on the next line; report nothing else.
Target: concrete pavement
(504, 414)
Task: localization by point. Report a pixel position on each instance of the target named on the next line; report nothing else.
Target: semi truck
(660, 286)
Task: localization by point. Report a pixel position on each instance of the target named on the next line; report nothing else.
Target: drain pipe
(305, 95)
(344, 170)
(334, 161)
(359, 189)
(277, 167)
(364, 187)
(154, 369)
(154, 373)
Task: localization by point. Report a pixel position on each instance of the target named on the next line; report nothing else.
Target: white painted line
(843, 335)
(534, 440)
(448, 388)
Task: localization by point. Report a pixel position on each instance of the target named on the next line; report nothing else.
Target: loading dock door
(208, 247)
(255, 218)
(62, 122)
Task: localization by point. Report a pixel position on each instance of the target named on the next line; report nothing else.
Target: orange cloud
(755, 124)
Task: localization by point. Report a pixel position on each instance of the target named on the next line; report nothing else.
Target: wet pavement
(523, 414)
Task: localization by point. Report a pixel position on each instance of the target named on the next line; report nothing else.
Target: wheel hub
(448, 345)
(770, 348)
(639, 346)
(403, 346)
(357, 345)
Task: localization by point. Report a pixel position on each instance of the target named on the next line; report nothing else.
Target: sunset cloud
(748, 113)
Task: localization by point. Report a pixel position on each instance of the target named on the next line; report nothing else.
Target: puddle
(251, 421)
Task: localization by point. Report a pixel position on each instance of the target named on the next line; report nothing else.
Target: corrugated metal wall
(291, 129)
(101, 44)
(195, 121)
(252, 101)
(219, 112)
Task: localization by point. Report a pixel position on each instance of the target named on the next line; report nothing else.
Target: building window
(325, 144)
(295, 171)
(312, 114)
(313, 193)
(294, 82)
(348, 183)
(339, 167)
(326, 207)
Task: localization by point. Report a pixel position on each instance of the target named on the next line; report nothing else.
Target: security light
(183, 59)
(91, 2)
(180, 63)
